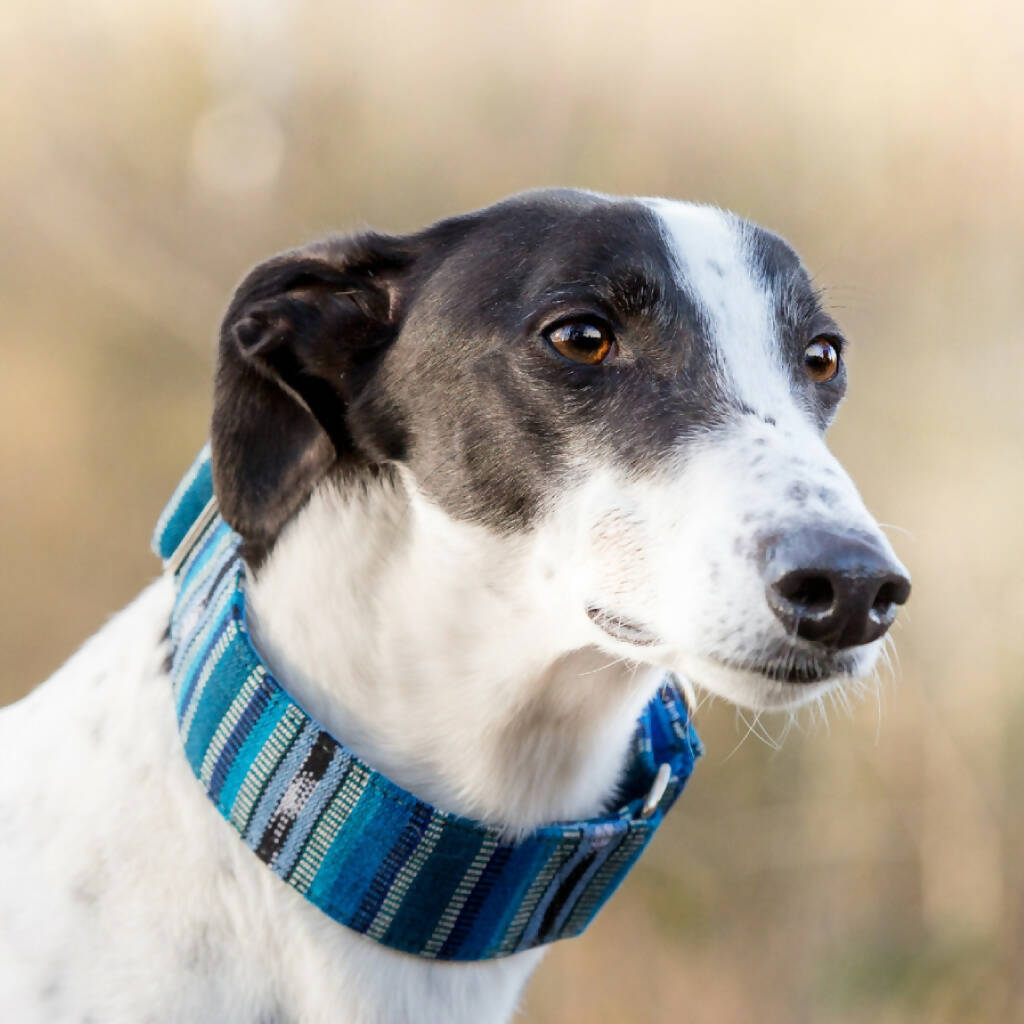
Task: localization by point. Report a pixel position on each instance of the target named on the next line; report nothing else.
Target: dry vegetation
(870, 869)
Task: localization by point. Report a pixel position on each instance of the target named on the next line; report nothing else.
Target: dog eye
(582, 341)
(821, 360)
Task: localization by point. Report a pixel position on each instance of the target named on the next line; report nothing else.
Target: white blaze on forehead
(713, 255)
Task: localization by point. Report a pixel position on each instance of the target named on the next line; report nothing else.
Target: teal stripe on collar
(368, 853)
(185, 507)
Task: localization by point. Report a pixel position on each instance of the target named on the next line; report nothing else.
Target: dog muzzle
(368, 853)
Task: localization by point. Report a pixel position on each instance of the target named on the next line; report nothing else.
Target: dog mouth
(620, 628)
(785, 664)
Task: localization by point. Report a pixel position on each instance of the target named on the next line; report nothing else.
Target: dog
(490, 481)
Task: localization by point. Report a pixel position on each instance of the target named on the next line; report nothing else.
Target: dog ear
(300, 339)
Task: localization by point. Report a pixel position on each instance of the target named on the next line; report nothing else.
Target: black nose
(837, 589)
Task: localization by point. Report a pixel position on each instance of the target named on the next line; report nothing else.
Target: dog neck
(426, 646)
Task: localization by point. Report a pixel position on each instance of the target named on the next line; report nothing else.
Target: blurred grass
(871, 869)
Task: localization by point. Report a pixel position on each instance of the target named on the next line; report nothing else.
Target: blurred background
(872, 867)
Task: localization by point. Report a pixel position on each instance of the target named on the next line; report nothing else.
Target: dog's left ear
(301, 338)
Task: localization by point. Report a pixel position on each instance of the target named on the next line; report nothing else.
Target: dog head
(625, 399)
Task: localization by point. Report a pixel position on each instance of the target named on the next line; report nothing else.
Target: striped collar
(366, 852)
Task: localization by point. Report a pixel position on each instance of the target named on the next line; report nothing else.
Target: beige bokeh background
(869, 870)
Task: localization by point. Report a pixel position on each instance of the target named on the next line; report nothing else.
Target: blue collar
(366, 852)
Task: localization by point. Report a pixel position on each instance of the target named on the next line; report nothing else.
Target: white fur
(461, 663)
(709, 250)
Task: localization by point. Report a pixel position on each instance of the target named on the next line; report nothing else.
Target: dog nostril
(884, 599)
(890, 594)
(812, 594)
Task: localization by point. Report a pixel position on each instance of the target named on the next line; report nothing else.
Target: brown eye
(821, 360)
(582, 341)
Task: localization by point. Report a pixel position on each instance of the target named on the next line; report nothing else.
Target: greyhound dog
(481, 487)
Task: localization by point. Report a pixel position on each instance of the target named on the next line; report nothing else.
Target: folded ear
(303, 334)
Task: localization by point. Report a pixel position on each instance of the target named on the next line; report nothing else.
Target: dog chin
(777, 683)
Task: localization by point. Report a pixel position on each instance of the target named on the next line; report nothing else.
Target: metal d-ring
(657, 790)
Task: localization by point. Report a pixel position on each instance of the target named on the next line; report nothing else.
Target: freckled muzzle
(832, 588)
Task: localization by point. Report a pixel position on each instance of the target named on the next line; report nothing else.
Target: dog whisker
(897, 529)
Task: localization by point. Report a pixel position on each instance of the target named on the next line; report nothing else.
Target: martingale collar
(365, 851)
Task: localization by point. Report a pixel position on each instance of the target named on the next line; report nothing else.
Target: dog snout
(833, 588)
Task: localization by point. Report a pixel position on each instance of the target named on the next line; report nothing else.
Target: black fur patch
(799, 317)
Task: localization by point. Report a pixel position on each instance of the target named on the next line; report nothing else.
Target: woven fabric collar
(362, 849)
